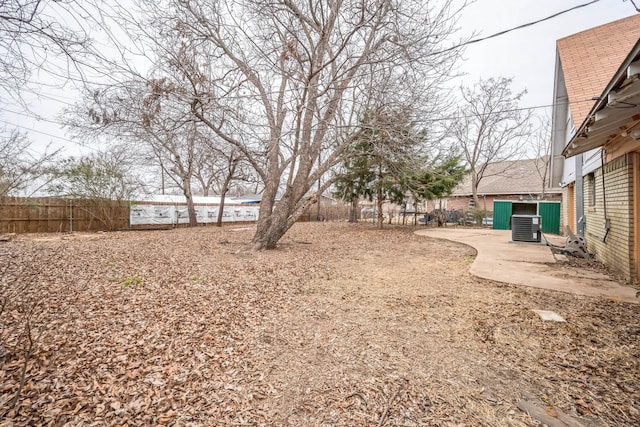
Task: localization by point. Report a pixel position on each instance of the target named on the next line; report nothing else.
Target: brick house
(517, 180)
(596, 134)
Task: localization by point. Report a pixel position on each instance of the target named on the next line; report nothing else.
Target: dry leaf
(357, 323)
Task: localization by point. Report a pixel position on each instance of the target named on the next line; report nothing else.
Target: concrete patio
(530, 264)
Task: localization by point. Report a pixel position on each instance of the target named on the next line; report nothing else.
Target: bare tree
(206, 170)
(216, 166)
(177, 149)
(106, 179)
(63, 44)
(285, 81)
(227, 174)
(108, 174)
(490, 127)
(33, 37)
(145, 116)
(541, 150)
(20, 168)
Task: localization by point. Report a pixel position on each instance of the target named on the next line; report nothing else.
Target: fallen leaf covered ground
(342, 325)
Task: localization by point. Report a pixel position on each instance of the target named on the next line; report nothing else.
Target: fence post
(70, 216)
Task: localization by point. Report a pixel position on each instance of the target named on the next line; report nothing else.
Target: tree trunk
(161, 174)
(191, 209)
(203, 184)
(221, 209)
(474, 188)
(353, 212)
(269, 231)
(225, 189)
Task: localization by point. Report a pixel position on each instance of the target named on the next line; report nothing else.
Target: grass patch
(129, 281)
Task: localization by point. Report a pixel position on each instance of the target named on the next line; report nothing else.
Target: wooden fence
(53, 215)
(326, 213)
(50, 215)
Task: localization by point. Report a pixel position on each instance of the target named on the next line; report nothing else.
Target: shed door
(550, 213)
(501, 215)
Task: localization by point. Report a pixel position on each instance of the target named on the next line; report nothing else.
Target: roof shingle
(590, 58)
(510, 177)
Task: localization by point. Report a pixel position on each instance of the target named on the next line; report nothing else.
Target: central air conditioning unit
(526, 228)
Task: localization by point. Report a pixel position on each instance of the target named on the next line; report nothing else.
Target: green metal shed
(548, 211)
(550, 214)
(502, 215)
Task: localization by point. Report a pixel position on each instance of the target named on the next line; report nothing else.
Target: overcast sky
(527, 55)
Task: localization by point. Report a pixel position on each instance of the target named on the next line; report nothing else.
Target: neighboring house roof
(590, 58)
(510, 177)
(616, 115)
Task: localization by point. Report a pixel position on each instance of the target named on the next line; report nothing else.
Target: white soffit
(620, 115)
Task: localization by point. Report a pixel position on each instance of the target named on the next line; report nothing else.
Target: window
(591, 189)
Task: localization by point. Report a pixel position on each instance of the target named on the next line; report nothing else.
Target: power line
(59, 98)
(68, 77)
(38, 131)
(30, 116)
(424, 121)
(535, 107)
(528, 24)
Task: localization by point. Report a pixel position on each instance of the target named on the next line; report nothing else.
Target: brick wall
(457, 203)
(616, 251)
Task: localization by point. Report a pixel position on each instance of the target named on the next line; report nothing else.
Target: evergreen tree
(389, 160)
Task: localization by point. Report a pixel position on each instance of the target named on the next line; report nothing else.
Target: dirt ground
(342, 325)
